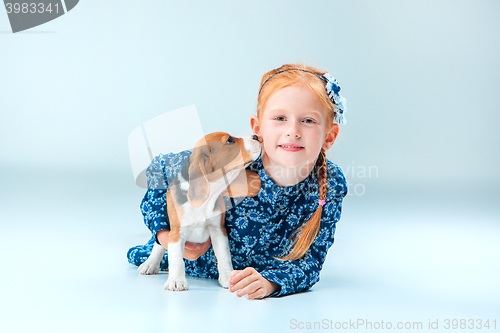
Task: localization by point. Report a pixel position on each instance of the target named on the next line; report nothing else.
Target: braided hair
(304, 236)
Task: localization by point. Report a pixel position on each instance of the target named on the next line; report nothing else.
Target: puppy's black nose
(255, 137)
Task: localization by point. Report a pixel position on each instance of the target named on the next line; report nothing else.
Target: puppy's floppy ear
(247, 184)
(199, 187)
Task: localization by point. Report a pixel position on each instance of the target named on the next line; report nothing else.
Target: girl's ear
(254, 123)
(331, 136)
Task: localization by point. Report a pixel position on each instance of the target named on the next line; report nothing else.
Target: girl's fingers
(242, 284)
(249, 289)
(247, 282)
(241, 275)
(233, 273)
(258, 294)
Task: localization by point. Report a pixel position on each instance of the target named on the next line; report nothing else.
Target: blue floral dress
(259, 227)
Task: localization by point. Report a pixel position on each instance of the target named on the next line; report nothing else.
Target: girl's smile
(290, 147)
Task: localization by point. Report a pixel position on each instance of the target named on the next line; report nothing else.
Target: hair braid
(305, 235)
(322, 174)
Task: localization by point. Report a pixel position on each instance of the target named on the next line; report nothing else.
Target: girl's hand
(252, 283)
(193, 251)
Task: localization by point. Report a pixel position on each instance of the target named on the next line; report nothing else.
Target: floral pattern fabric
(259, 228)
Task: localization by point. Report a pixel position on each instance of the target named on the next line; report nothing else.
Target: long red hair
(305, 235)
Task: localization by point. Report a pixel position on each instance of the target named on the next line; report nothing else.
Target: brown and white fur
(195, 206)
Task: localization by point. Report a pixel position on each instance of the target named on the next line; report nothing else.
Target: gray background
(418, 240)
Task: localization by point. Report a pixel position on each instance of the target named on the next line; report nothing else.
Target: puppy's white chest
(197, 217)
(195, 223)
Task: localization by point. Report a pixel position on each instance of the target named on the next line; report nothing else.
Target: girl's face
(294, 127)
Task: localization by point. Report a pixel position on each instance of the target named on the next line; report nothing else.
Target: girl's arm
(154, 203)
(289, 277)
(286, 277)
(300, 275)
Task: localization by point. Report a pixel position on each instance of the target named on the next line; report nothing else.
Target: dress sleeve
(300, 275)
(154, 203)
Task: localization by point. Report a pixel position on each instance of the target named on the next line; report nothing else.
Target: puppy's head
(215, 154)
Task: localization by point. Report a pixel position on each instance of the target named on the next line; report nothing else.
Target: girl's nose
(293, 131)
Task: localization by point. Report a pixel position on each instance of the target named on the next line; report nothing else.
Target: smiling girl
(278, 239)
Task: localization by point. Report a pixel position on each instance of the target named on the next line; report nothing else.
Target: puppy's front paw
(224, 280)
(176, 284)
(149, 268)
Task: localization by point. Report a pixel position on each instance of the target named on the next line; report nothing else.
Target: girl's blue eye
(309, 121)
(280, 118)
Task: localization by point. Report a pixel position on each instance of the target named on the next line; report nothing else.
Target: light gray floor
(407, 255)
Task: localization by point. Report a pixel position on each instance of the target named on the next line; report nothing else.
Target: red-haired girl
(278, 239)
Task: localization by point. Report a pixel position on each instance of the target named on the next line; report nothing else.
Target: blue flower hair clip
(333, 90)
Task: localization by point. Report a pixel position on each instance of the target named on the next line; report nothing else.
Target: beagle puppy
(195, 207)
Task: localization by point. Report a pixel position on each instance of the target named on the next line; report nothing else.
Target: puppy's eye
(230, 140)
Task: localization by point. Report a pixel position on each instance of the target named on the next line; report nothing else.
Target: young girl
(278, 239)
